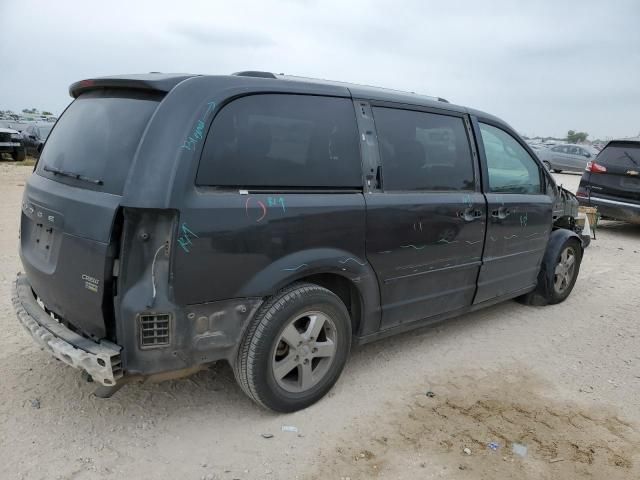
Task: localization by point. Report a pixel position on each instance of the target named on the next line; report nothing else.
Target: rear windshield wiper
(626, 154)
(77, 176)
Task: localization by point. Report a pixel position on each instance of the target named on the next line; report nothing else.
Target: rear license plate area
(42, 237)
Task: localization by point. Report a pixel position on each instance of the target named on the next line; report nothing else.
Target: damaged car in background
(273, 222)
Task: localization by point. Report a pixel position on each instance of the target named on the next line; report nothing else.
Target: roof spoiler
(159, 82)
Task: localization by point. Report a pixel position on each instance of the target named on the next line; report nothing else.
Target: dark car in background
(11, 143)
(33, 137)
(611, 181)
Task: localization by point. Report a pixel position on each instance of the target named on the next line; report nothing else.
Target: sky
(543, 66)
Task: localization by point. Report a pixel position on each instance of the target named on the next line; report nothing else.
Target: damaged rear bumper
(100, 360)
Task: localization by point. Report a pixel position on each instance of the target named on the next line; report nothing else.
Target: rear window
(96, 139)
(625, 155)
(275, 140)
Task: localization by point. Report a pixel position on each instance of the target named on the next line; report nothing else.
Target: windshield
(592, 150)
(44, 131)
(96, 138)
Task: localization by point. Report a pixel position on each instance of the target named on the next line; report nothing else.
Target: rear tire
(19, 154)
(557, 276)
(295, 348)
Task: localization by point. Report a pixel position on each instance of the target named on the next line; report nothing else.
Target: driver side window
(511, 169)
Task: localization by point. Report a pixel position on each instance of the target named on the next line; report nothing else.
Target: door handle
(470, 214)
(501, 213)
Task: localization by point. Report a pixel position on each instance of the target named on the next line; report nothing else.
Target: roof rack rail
(260, 74)
(254, 73)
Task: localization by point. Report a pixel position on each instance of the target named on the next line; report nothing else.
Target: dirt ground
(562, 382)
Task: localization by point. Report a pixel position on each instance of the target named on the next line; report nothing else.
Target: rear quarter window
(96, 138)
(274, 140)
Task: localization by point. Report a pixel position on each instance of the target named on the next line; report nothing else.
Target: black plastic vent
(154, 330)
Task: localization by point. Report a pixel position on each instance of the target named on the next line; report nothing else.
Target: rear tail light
(595, 167)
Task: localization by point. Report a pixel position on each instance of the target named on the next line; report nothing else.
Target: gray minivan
(272, 222)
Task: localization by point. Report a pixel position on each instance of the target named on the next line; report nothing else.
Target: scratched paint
(197, 132)
(472, 243)
(384, 252)
(293, 269)
(523, 220)
(351, 259)
(261, 206)
(413, 246)
(276, 201)
(184, 240)
(509, 237)
(444, 240)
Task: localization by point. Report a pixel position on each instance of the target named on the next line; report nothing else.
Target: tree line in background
(576, 137)
(31, 111)
(572, 137)
(35, 110)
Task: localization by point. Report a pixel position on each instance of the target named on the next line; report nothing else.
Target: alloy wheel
(565, 270)
(304, 351)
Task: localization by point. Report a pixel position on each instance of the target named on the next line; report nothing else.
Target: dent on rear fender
(303, 264)
(295, 266)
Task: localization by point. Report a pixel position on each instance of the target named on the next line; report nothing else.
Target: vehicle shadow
(214, 392)
(625, 229)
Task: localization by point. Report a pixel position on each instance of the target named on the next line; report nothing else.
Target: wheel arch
(347, 275)
(557, 238)
(345, 289)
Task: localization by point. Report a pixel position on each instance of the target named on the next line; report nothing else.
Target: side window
(423, 151)
(511, 169)
(275, 140)
(556, 149)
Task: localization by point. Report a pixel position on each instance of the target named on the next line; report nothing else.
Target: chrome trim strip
(615, 202)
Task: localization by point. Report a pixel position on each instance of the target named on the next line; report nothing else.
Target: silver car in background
(569, 157)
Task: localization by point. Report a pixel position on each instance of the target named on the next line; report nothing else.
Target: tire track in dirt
(564, 440)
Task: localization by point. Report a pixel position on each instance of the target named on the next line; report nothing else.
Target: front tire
(295, 348)
(558, 275)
